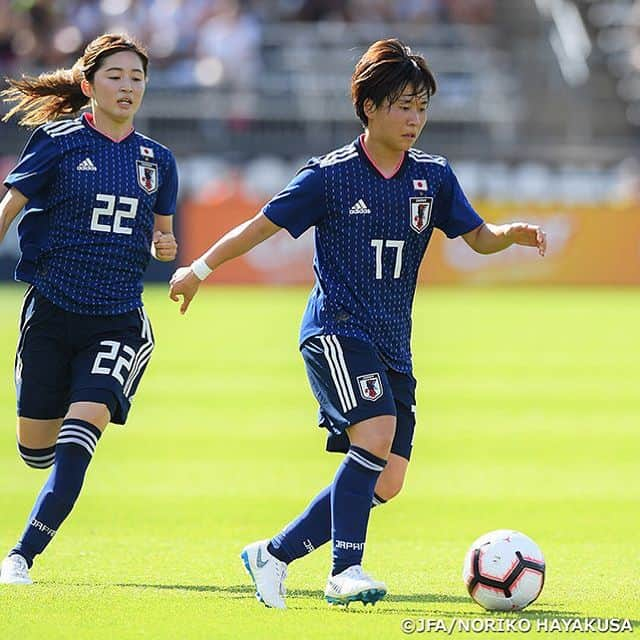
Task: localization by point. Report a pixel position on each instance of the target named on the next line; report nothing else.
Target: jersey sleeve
(455, 215)
(36, 166)
(168, 189)
(301, 204)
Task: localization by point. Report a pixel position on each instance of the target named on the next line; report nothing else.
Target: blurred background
(538, 111)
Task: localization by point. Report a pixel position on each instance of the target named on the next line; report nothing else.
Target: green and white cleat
(354, 585)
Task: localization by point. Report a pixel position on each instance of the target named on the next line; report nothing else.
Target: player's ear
(86, 88)
(369, 107)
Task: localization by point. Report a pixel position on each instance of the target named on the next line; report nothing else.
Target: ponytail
(45, 97)
(56, 94)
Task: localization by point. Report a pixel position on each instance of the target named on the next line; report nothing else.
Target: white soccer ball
(504, 570)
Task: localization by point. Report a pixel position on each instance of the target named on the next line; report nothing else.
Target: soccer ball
(504, 570)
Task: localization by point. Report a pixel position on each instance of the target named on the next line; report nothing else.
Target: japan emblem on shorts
(420, 213)
(370, 386)
(147, 175)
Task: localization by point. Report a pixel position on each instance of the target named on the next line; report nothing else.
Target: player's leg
(312, 528)
(36, 446)
(391, 480)
(104, 377)
(351, 498)
(328, 368)
(353, 487)
(78, 436)
(42, 389)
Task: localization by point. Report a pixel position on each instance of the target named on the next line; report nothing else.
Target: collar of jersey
(87, 119)
(365, 156)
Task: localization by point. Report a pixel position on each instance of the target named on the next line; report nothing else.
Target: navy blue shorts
(65, 357)
(351, 384)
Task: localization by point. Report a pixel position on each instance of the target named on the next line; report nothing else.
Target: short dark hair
(385, 70)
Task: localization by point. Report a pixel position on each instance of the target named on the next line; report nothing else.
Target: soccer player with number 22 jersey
(374, 204)
(98, 201)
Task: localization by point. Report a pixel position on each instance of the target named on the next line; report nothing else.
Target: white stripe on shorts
(142, 356)
(28, 307)
(339, 372)
(338, 347)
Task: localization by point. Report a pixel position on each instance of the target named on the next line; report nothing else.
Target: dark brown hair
(385, 70)
(51, 95)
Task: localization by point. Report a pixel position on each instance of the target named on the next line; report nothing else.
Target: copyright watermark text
(515, 625)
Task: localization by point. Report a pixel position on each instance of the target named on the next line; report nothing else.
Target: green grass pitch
(528, 418)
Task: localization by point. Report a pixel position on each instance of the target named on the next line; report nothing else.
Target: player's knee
(374, 435)
(389, 487)
(37, 458)
(96, 413)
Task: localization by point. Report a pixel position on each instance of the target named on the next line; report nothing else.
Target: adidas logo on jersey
(86, 165)
(360, 207)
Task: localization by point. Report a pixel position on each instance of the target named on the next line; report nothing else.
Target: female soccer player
(374, 205)
(99, 198)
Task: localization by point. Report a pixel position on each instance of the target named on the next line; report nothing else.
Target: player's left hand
(165, 247)
(183, 283)
(529, 235)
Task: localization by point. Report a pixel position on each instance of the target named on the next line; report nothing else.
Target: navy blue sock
(310, 530)
(351, 499)
(75, 447)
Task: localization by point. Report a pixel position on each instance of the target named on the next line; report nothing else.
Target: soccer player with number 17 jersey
(98, 200)
(374, 205)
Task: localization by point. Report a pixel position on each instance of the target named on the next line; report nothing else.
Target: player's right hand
(183, 283)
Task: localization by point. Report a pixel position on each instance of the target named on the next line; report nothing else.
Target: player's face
(118, 86)
(399, 124)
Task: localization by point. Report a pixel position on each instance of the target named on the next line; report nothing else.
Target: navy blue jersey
(371, 234)
(86, 234)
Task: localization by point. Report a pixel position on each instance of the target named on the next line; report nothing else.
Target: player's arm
(490, 238)
(186, 280)
(10, 206)
(164, 246)
(458, 218)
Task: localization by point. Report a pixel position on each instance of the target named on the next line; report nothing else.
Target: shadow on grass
(235, 589)
(306, 593)
(388, 608)
(240, 589)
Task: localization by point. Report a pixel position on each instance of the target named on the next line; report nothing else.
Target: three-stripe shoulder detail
(62, 128)
(339, 155)
(421, 156)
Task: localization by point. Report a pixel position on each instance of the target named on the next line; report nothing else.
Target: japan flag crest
(147, 175)
(370, 386)
(420, 213)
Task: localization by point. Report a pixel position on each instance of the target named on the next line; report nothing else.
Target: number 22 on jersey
(109, 218)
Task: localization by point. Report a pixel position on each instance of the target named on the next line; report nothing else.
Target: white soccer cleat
(354, 585)
(267, 572)
(15, 570)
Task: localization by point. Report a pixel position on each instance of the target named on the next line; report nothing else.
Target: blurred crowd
(46, 33)
(617, 29)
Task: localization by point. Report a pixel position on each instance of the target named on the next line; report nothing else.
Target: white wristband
(201, 269)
